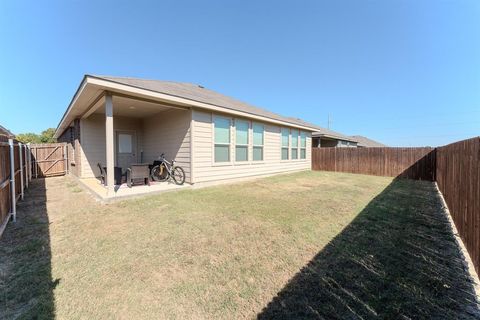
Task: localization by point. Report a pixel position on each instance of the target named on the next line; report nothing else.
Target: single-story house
(326, 138)
(364, 142)
(119, 121)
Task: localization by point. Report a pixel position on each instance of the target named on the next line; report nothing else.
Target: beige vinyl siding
(168, 132)
(92, 133)
(206, 169)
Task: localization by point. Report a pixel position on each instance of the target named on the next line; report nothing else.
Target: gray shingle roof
(332, 134)
(366, 142)
(200, 94)
(5, 132)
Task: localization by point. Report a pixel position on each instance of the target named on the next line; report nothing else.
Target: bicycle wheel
(178, 175)
(159, 173)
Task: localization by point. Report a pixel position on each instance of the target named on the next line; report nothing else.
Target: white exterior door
(126, 147)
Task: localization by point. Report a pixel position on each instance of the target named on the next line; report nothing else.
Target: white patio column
(109, 144)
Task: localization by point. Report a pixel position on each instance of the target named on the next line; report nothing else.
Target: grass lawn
(304, 245)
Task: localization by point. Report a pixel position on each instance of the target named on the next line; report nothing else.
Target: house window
(222, 139)
(124, 143)
(303, 145)
(294, 144)
(285, 143)
(258, 132)
(241, 140)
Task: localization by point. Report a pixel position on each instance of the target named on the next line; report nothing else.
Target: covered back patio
(118, 131)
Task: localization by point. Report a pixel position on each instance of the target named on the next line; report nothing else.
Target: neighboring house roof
(5, 132)
(366, 142)
(327, 133)
(199, 93)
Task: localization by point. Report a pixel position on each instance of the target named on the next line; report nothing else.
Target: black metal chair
(138, 173)
(103, 173)
(117, 174)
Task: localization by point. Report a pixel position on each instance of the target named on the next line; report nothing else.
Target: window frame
(288, 144)
(249, 154)
(258, 146)
(297, 148)
(214, 143)
(120, 145)
(303, 148)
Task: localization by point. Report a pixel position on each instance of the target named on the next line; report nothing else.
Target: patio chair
(117, 174)
(138, 173)
(103, 174)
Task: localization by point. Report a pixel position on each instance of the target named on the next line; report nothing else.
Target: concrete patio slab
(123, 191)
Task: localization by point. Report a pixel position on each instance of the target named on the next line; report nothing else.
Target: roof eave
(205, 105)
(72, 101)
(114, 85)
(334, 137)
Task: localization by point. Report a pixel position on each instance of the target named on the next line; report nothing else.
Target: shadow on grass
(26, 286)
(397, 260)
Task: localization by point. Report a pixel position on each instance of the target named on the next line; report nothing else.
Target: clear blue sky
(403, 72)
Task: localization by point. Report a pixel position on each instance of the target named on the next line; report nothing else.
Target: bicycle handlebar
(162, 157)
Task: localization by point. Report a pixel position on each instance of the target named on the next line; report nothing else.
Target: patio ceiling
(130, 107)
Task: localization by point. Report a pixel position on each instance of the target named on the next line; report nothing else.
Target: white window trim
(290, 145)
(232, 144)
(250, 146)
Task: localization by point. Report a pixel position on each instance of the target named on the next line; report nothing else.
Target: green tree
(45, 137)
(28, 137)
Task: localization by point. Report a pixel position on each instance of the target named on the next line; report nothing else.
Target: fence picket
(415, 163)
(16, 171)
(458, 178)
(49, 159)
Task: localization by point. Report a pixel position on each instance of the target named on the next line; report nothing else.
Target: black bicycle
(163, 170)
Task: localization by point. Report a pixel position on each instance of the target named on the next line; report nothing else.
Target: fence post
(20, 159)
(25, 159)
(36, 164)
(12, 180)
(29, 163)
(65, 158)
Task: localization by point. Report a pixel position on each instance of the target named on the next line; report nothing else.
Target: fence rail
(413, 163)
(458, 178)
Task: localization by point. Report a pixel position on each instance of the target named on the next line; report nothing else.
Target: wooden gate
(49, 159)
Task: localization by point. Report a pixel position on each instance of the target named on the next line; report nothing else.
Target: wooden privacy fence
(19, 163)
(458, 178)
(49, 159)
(15, 175)
(455, 168)
(414, 163)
